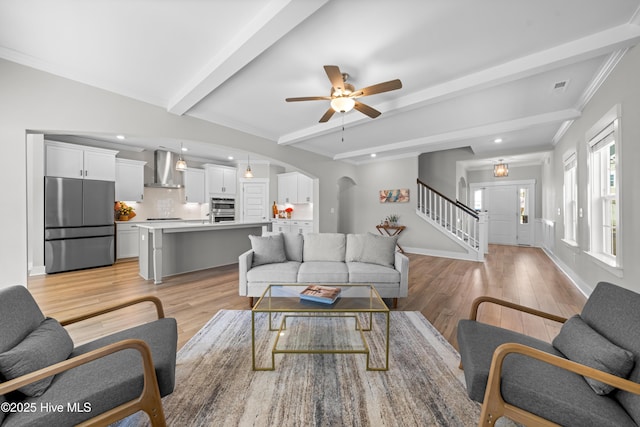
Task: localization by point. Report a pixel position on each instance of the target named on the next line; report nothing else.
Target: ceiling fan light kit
(343, 95)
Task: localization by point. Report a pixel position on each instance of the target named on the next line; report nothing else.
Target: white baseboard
(575, 279)
(37, 270)
(441, 254)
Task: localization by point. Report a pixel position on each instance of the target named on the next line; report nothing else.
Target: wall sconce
(501, 170)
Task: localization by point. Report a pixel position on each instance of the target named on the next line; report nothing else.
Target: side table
(392, 230)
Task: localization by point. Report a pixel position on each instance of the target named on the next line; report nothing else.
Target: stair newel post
(483, 234)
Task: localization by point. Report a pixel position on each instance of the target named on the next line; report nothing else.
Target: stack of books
(323, 294)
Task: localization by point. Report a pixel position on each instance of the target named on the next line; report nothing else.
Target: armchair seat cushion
(323, 272)
(106, 382)
(477, 342)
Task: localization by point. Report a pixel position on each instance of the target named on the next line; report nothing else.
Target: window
(477, 200)
(604, 153)
(570, 198)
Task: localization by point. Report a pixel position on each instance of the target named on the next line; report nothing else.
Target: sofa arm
(402, 265)
(244, 265)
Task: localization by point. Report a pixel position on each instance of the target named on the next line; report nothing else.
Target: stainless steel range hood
(165, 173)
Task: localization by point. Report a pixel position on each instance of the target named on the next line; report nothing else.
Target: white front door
(254, 200)
(501, 203)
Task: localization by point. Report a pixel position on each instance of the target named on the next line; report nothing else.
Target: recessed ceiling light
(373, 154)
(185, 149)
(230, 157)
(120, 136)
(497, 140)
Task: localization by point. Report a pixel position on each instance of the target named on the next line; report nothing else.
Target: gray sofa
(324, 258)
(588, 376)
(102, 381)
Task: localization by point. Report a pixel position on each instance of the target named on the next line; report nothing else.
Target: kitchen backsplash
(167, 203)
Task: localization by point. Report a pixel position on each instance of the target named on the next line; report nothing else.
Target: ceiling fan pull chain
(343, 127)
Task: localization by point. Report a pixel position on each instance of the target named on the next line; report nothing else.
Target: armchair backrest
(19, 316)
(614, 312)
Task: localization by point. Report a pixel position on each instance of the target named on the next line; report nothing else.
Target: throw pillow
(324, 247)
(580, 343)
(292, 244)
(371, 249)
(48, 344)
(267, 249)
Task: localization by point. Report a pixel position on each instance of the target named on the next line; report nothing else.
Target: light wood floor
(441, 289)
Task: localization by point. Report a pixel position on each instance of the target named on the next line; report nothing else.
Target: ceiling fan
(343, 95)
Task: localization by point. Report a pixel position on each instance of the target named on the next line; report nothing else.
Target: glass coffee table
(305, 327)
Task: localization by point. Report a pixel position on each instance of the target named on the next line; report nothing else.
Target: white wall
(36, 101)
(622, 88)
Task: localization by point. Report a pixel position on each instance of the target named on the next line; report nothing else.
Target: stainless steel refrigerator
(79, 229)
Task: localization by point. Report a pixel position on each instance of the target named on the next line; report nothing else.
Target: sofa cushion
(46, 345)
(292, 244)
(285, 272)
(612, 311)
(578, 342)
(324, 247)
(108, 381)
(371, 249)
(267, 249)
(19, 315)
(361, 272)
(323, 272)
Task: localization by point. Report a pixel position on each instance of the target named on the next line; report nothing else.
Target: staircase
(459, 222)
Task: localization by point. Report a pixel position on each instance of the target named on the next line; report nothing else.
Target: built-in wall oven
(222, 209)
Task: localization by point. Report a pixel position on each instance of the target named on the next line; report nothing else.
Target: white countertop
(204, 225)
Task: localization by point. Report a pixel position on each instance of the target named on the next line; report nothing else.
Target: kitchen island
(181, 247)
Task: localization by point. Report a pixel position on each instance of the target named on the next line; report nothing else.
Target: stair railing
(456, 218)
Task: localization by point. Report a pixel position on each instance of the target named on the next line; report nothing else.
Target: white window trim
(569, 157)
(611, 264)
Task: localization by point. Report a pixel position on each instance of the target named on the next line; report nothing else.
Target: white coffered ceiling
(472, 71)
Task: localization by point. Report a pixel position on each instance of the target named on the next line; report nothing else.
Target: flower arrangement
(123, 211)
(289, 211)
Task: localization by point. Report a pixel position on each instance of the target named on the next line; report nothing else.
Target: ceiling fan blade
(327, 115)
(308, 98)
(365, 109)
(379, 88)
(335, 76)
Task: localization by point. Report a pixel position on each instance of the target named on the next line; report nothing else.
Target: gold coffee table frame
(290, 305)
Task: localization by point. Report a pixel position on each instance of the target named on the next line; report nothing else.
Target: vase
(288, 215)
(123, 218)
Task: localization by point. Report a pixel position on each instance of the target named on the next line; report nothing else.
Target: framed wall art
(394, 196)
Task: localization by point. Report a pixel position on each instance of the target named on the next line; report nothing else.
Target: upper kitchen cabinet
(194, 184)
(295, 188)
(220, 180)
(130, 180)
(79, 161)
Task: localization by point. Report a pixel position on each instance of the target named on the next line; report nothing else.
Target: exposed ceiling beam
(591, 46)
(466, 134)
(274, 21)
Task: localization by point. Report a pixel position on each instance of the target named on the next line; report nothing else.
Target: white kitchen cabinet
(79, 161)
(220, 180)
(130, 180)
(292, 226)
(194, 184)
(294, 187)
(126, 240)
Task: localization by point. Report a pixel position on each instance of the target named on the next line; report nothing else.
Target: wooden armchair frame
(149, 400)
(494, 406)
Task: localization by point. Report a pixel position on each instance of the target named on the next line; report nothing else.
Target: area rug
(216, 386)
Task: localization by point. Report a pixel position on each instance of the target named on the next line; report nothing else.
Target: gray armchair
(588, 376)
(46, 381)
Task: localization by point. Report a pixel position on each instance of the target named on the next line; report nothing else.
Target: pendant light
(501, 169)
(181, 165)
(248, 173)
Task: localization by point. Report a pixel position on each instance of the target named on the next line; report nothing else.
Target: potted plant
(393, 219)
